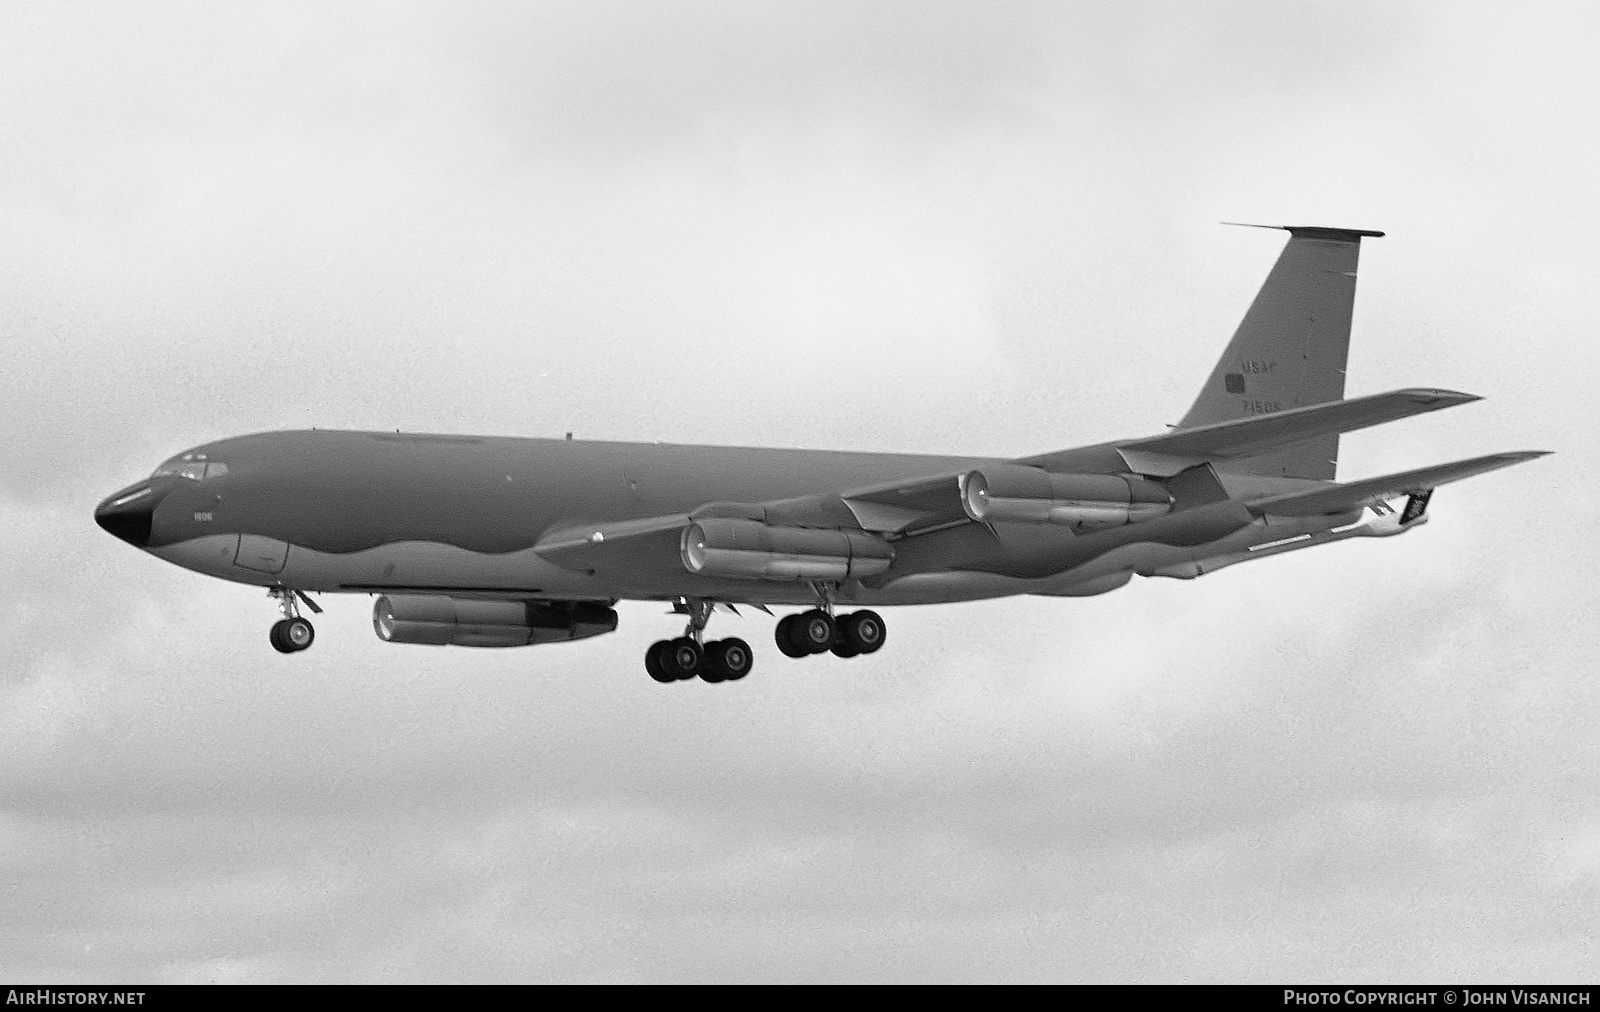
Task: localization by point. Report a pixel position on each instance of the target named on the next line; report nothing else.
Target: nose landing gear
(291, 634)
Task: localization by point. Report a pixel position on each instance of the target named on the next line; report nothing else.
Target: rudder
(1290, 349)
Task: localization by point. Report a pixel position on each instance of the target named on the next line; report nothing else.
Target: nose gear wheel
(291, 634)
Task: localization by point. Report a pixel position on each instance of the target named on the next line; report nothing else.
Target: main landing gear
(816, 631)
(291, 634)
(810, 632)
(687, 656)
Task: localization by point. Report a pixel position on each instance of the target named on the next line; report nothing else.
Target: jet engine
(1083, 502)
(440, 621)
(750, 550)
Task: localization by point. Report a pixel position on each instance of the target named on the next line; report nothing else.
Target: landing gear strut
(689, 655)
(291, 634)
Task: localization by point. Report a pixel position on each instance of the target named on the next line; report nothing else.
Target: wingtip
(1517, 457)
(1430, 395)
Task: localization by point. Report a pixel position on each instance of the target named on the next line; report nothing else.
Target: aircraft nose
(129, 514)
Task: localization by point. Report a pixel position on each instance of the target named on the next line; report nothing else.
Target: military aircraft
(489, 541)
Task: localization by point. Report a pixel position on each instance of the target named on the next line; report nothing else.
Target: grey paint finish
(342, 493)
(310, 510)
(1291, 347)
(338, 491)
(263, 555)
(507, 517)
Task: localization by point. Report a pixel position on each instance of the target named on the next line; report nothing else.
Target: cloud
(922, 229)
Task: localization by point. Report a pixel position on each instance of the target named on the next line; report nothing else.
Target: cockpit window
(194, 470)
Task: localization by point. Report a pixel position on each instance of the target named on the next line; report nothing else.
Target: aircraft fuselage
(502, 541)
(375, 512)
(328, 510)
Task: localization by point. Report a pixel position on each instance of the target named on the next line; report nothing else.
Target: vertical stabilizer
(1290, 349)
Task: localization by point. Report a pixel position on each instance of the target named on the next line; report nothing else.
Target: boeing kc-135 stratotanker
(495, 542)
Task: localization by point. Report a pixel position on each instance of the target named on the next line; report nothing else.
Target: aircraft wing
(650, 543)
(1166, 455)
(910, 507)
(913, 506)
(1355, 494)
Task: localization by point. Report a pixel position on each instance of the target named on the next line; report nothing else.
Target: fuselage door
(264, 555)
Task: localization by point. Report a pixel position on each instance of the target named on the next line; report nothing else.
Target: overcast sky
(979, 228)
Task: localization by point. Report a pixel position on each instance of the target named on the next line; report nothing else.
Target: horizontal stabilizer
(1168, 454)
(1356, 494)
(1317, 231)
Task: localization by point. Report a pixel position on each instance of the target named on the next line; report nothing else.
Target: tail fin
(1290, 349)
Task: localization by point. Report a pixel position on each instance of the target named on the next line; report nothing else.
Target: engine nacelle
(1083, 502)
(749, 550)
(440, 621)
